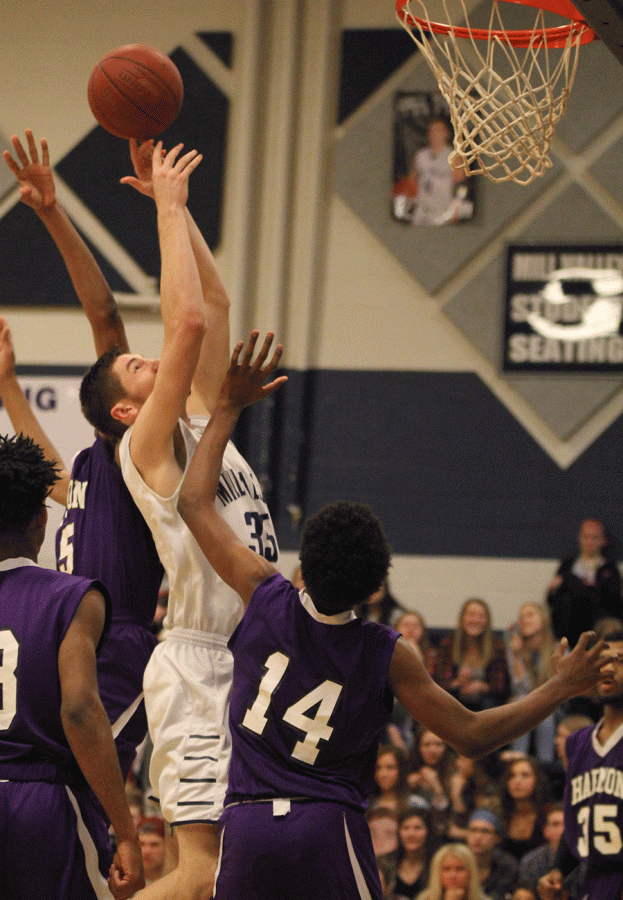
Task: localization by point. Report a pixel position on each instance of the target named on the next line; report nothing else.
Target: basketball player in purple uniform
(313, 685)
(56, 746)
(593, 795)
(103, 535)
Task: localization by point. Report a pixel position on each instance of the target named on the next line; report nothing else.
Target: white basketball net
(503, 124)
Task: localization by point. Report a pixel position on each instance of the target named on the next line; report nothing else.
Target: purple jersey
(309, 702)
(36, 608)
(593, 801)
(103, 535)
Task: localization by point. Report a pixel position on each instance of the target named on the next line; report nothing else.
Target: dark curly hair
(612, 633)
(99, 391)
(344, 556)
(26, 478)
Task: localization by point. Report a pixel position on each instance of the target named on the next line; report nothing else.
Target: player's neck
(22, 549)
(612, 720)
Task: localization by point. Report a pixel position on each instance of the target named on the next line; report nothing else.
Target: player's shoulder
(124, 445)
(274, 589)
(67, 580)
(580, 739)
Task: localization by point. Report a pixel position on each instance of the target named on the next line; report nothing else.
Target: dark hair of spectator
(541, 794)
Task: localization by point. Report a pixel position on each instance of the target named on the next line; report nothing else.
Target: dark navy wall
(438, 457)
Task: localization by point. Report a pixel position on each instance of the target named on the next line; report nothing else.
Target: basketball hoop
(506, 102)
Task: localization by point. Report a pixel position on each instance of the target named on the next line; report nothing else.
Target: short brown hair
(99, 391)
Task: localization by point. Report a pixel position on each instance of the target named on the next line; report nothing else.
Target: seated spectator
(529, 660)
(383, 825)
(473, 783)
(134, 796)
(567, 726)
(539, 862)
(472, 661)
(381, 606)
(587, 585)
(525, 795)
(453, 875)
(428, 775)
(151, 834)
(412, 627)
(408, 867)
(390, 777)
(556, 770)
(386, 875)
(497, 870)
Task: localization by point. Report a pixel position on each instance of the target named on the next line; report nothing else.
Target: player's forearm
(493, 728)
(213, 289)
(25, 422)
(90, 738)
(180, 286)
(202, 477)
(239, 566)
(214, 357)
(89, 283)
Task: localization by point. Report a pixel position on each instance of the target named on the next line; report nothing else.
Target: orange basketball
(135, 91)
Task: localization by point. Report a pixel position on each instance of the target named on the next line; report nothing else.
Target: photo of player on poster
(426, 189)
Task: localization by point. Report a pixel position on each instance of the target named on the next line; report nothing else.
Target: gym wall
(393, 334)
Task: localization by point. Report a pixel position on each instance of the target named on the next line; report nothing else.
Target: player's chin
(609, 691)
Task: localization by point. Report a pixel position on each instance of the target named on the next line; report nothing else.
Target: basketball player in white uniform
(149, 404)
(434, 177)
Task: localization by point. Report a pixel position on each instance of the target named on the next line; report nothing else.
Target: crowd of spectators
(445, 827)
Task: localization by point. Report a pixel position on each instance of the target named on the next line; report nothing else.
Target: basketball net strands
(506, 89)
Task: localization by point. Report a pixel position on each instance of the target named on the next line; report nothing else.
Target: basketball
(135, 91)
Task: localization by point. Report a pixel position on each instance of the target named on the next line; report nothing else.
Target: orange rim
(556, 37)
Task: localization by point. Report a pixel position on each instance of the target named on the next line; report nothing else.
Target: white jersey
(198, 599)
(435, 186)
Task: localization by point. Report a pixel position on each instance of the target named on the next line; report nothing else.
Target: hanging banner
(53, 393)
(563, 309)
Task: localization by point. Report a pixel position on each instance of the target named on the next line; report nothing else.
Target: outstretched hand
(170, 173)
(141, 155)
(244, 382)
(580, 668)
(34, 176)
(7, 353)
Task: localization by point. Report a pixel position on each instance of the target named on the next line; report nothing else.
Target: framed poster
(426, 189)
(563, 309)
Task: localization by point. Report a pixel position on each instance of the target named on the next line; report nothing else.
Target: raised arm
(89, 735)
(21, 415)
(214, 357)
(37, 190)
(475, 734)
(152, 442)
(239, 566)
